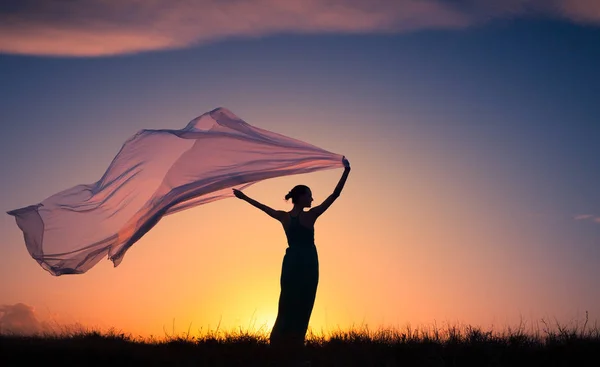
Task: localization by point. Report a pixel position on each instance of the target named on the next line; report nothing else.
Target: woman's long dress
(299, 279)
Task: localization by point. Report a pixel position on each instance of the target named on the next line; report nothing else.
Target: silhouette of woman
(300, 269)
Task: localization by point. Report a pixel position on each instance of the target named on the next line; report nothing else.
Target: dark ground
(453, 347)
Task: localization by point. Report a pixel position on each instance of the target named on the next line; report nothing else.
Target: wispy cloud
(583, 11)
(22, 319)
(588, 217)
(108, 27)
(19, 319)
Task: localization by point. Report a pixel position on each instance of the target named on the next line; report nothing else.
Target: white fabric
(156, 173)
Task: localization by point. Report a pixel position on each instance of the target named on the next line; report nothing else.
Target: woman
(300, 270)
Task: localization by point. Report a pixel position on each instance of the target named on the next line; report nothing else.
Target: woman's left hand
(238, 194)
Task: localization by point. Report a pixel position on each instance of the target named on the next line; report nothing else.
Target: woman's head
(301, 196)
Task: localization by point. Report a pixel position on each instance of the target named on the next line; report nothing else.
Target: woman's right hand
(346, 162)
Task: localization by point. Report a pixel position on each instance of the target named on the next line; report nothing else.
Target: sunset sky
(472, 128)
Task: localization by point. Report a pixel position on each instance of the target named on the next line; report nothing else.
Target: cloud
(588, 217)
(581, 11)
(109, 27)
(22, 319)
(19, 319)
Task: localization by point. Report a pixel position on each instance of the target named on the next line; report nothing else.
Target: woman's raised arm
(320, 209)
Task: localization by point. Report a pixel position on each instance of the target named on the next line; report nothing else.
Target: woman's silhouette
(300, 269)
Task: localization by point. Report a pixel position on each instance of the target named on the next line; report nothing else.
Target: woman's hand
(346, 162)
(238, 194)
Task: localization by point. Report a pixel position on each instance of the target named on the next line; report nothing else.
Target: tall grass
(548, 344)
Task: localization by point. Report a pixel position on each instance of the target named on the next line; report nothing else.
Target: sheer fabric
(157, 173)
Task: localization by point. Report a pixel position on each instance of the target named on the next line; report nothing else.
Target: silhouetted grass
(577, 345)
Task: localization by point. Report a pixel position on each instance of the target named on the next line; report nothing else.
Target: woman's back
(298, 235)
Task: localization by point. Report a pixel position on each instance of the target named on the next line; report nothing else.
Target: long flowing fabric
(157, 173)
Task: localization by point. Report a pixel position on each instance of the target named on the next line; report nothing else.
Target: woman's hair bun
(296, 192)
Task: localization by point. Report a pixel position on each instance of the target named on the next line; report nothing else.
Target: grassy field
(449, 346)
